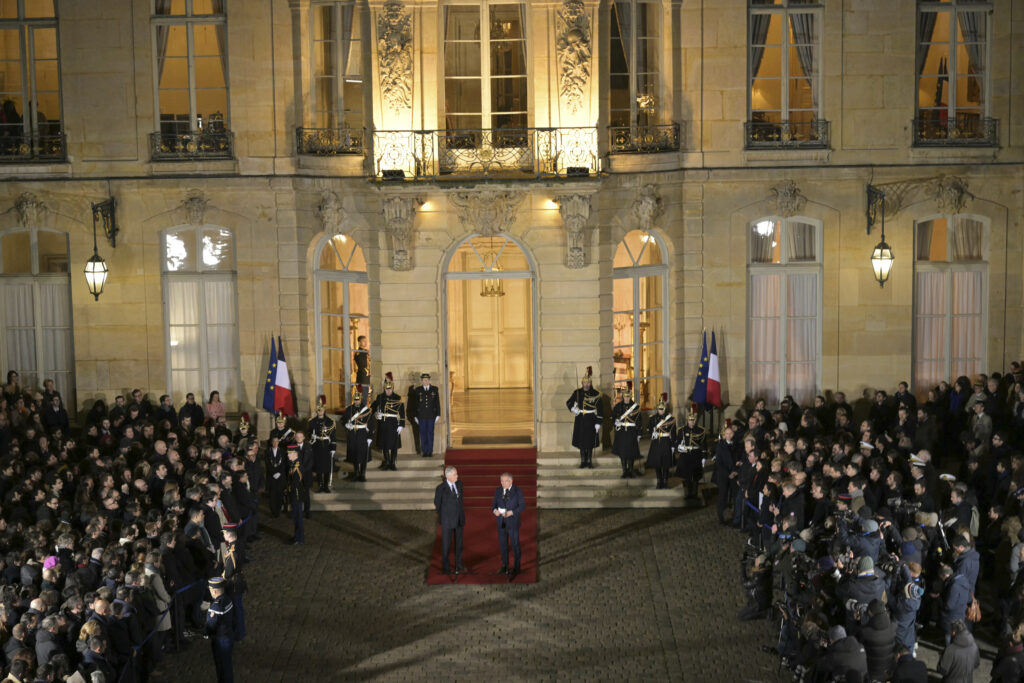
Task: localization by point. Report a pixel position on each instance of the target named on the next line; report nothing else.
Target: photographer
(905, 594)
(756, 574)
(855, 592)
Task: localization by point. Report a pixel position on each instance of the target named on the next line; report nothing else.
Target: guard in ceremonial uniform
(585, 404)
(359, 424)
(663, 441)
(220, 627)
(244, 436)
(628, 418)
(693, 450)
(389, 411)
(298, 476)
(282, 431)
(320, 433)
(427, 410)
(361, 359)
(277, 473)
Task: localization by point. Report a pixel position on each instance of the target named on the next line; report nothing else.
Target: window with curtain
(337, 68)
(633, 63)
(784, 70)
(639, 291)
(485, 82)
(950, 277)
(784, 304)
(953, 47)
(190, 61)
(201, 311)
(35, 309)
(31, 117)
(343, 303)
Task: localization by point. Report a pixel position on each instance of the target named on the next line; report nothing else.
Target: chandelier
(491, 286)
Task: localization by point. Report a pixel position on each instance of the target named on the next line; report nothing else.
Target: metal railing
(327, 142)
(20, 147)
(643, 139)
(786, 134)
(191, 146)
(966, 130)
(506, 153)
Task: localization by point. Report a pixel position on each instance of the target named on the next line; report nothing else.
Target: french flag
(714, 395)
(284, 402)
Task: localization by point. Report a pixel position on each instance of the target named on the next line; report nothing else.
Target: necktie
(453, 489)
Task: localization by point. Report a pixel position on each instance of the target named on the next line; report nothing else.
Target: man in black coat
(727, 469)
(452, 517)
(305, 454)
(585, 405)
(908, 669)
(845, 656)
(277, 474)
(508, 507)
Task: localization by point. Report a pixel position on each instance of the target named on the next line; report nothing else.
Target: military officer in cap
(220, 627)
(282, 431)
(628, 418)
(663, 440)
(359, 424)
(585, 404)
(692, 450)
(320, 432)
(427, 407)
(389, 411)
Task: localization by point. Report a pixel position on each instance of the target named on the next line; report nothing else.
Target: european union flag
(700, 387)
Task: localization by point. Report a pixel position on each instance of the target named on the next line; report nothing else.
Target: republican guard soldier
(585, 404)
(320, 432)
(663, 440)
(282, 431)
(628, 418)
(389, 411)
(692, 452)
(359, 423)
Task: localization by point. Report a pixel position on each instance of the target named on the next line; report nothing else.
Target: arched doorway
(489, 342)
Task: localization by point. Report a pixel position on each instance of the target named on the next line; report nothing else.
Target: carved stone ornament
(399, 213)
(789, 201)
(330, 212)
(950, 194)
(195, 208)
(30, 210)
(487, 212)
(647, 207)
(575, 211)
(394, 54)
(574, 51)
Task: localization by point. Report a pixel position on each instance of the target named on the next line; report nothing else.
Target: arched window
(639, 291)
(201, 306)
(35, 296)
(950, 278)
(342, 300)
(784, 309)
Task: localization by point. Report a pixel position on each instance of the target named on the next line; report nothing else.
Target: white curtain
(967, 338)
(765, 310)
(57, 354)
(198, 307)
(762, 241)
(929, 329)
(802, 336)
(19, 324)
(968, 238)
(800, 237)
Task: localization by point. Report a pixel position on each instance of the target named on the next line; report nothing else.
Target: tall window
(337, 65)
(953, 46)
(200, 300)
(485, 84)
(30, 118)
(950, 275)
(638, 309)
(35, 309)
(784, 305)
(634, 63)
(785, 74)
(190, 48)
(343, 302)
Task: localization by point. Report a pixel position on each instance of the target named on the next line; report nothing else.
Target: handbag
(974, 611)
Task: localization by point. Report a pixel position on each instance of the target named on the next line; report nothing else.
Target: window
(190, 49)
(485, 82)
(784, 304)
(343, 302)
(952, 76)
(634, 60)
(950, 275)
(200, 300)
(639, 291)
(30, 119)
(35, 309)
(785, 74)
(337, 90)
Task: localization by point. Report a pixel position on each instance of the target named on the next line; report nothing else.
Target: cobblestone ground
(623, 596)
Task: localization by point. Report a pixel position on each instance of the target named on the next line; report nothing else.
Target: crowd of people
(865, 538)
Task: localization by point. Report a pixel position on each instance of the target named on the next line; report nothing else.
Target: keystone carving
(575, 211)
(30, 210)
(399, 213)
(487, 212)
(789, 201)
(330, 212)
(647, 207)
(195, 208)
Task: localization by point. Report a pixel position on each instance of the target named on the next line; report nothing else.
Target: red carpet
(479, 472)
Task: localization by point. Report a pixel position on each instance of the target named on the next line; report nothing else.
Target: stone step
(612, 503)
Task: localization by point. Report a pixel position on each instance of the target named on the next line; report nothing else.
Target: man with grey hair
(508, 506)
(451, 516)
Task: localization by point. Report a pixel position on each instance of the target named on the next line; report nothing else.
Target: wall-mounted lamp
(881, 256)
(104, 213)
(96, 268)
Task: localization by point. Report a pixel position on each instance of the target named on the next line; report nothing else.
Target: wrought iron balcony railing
(965, 130)
(787, 134)
(20, 147)
(195, 145)
(507, 153)
(643, 139)
(329, 142)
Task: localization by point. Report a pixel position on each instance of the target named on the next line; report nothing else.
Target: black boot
(583, 460)
(394, 461)
(383, 462)
(625, 471)
(362, 472)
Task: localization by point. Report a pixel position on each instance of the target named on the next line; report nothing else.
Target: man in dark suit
(427, 407)
(508, 506)
(452, 516)
(306, 460)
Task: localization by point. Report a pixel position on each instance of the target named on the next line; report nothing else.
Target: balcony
(643, 139)
(19, 147)
(198, 145)
(501, 153)
(965, 130)
(329, 142)
(786, 134)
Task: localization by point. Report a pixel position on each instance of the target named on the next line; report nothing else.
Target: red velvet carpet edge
(479, 472)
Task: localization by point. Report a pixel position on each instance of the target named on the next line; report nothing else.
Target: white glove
(332, 453)
(437, 418)
(416, 420)
(703, 461)
(400, 429)
(618, 423)
(380, 415)
(597, 428)
(679, 448)
(369, 441)
(349, 426)
(575, 410)
(277, 475)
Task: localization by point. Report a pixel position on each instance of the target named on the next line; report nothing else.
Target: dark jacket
(47, 645)
(516, 502)
(956, 595)
(879, 638)
(449, 505)
(1009, 667)
(841, 658)
(910, 670)
(960, 659)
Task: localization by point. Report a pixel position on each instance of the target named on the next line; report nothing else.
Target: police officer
(692, 452)
(662, 426)
(628, 418)
(427, 406)
(585, 404)
(389, 411)
(359, 424)
(220, 627)
(320, 432)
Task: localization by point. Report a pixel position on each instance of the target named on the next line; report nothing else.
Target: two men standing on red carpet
(452, 517)
(508, 506)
